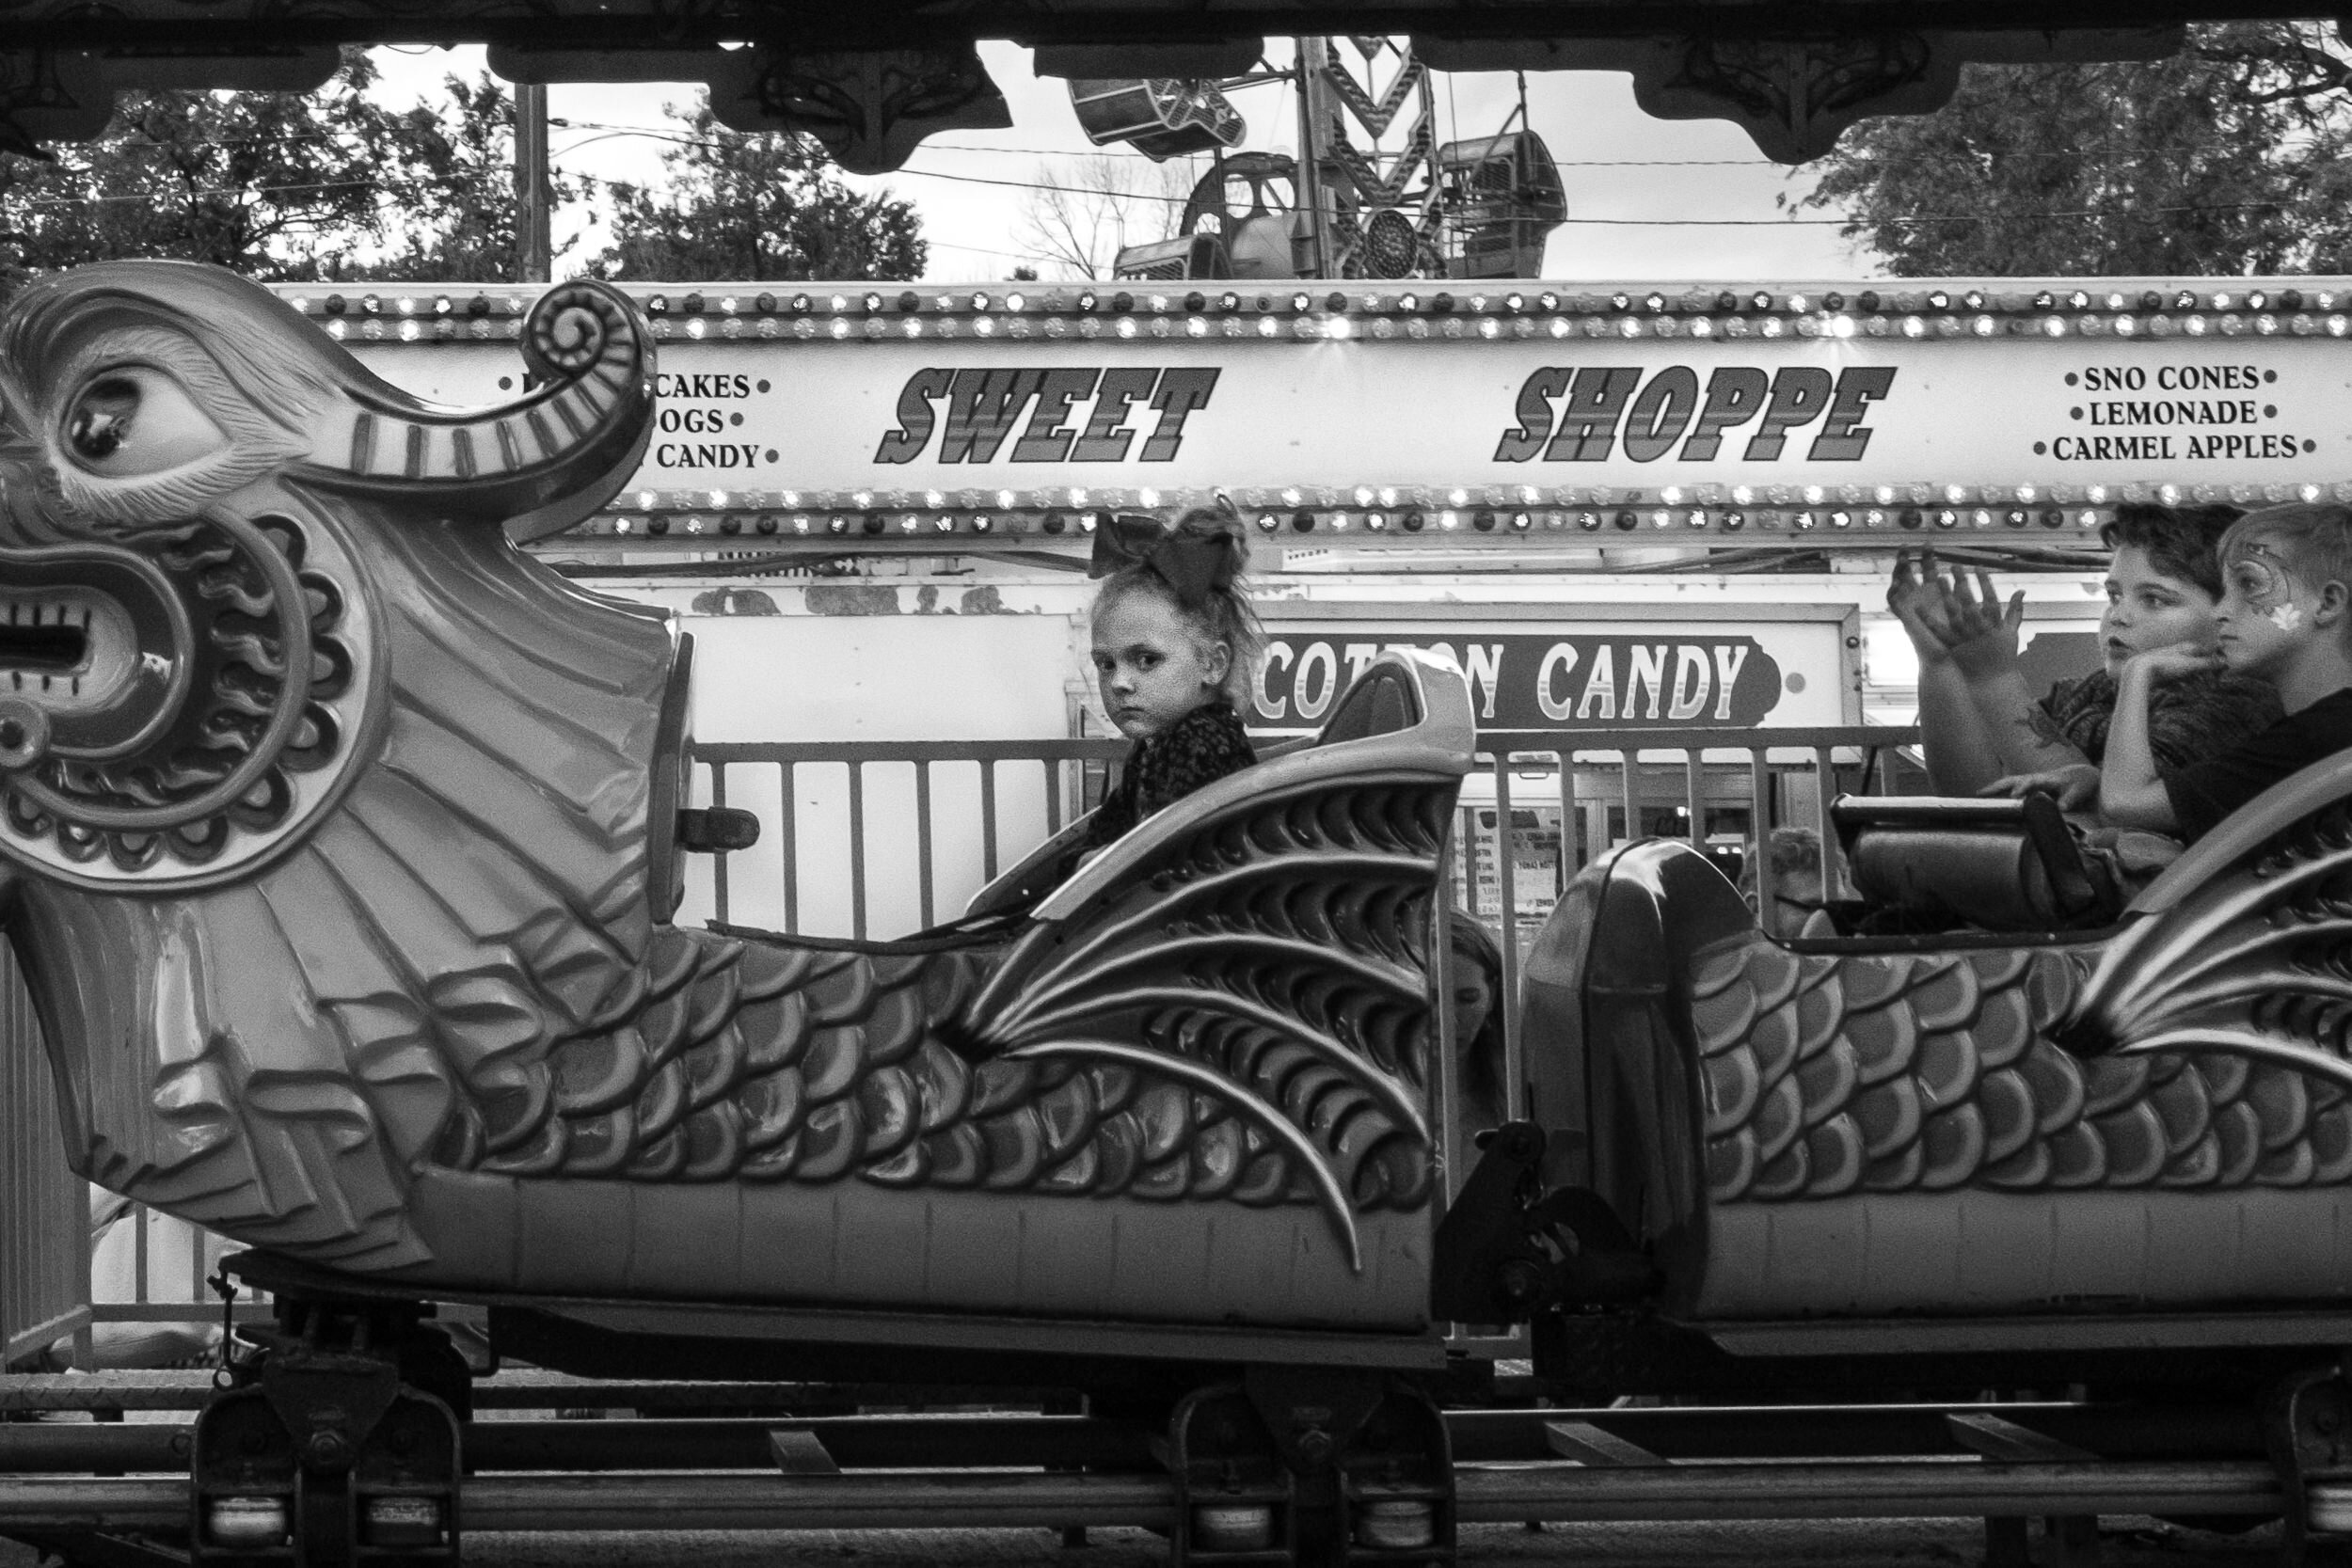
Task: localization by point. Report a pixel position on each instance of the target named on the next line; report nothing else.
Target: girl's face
(1473, 997)
(1151, 667)
(2264, 614)
(2148, 610)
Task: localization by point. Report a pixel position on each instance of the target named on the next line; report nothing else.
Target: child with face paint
(1987, 731)
(1175, 642)
(2285, 619)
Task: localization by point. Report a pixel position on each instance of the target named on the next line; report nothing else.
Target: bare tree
(1087, 209)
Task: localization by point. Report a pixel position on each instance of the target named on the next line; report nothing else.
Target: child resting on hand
(1175, 640)
(2285, 619)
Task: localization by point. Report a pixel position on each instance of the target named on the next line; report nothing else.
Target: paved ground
(1875, 1543)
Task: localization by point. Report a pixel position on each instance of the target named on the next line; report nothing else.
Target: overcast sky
(1623, 171)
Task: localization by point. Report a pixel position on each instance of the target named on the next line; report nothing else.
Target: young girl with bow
(1175, 642)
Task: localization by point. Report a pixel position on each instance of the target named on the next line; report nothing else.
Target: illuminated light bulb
(1376, 521)
(1148, 499)
(932, 499)
(1266, 327)
(2336, 325)
(621, 525)
(1293, 496)
(908, 523)
(1947, 519)
(1449, 519)
(1363, 495)
(1955, 493)
(1815, 495)
(1743, 495)
(2025, 492)
(410, 332)
(861, 499)
(800, 522)
(1387, 495)
(1004, 500)
(2194, 326)
(2307, 492)
(1983, 326)
(1884, 494)
(1771, 326)
(2088, 519)
(2097, 494)
(1195, 326)
(1339, 327)
(1457, 497)
(1267, 522)
(1662, 519)
(1339, 522)
(840, 328)
(1126, 327)
(2168, 494)
(2054, 326)
(1841, 519)
(1914, 328)
(1671, 495)
(1875, 517)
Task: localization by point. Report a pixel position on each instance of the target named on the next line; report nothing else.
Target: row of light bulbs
(1401, 301)
(1446, 520)
(1391, 497)
(1918, 328)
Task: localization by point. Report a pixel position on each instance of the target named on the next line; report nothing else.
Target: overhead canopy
(871, 80)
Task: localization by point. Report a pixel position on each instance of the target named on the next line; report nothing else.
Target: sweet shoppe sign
(950, 408)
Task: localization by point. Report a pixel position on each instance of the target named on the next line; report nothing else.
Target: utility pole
(535, 257)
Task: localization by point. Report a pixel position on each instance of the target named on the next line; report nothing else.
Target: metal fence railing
(45, 1215)
(938, 819)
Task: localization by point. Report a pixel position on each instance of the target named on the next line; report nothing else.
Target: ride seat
(2000, 865)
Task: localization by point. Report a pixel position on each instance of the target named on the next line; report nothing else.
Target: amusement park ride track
(792, 1471)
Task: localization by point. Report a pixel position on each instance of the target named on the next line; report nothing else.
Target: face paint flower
(2286, 617)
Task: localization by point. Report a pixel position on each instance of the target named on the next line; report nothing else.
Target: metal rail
(968, 1500)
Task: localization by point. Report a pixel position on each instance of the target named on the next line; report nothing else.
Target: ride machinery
(342, 842)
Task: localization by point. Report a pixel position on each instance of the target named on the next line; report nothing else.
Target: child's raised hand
(2075, 785)
(1982, 630)
(1917, 596)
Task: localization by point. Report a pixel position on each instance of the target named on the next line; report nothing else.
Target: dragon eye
(134, 419)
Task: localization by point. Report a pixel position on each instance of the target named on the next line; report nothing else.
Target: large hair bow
(1194, 565)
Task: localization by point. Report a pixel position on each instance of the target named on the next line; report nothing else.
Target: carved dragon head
(274, 678)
